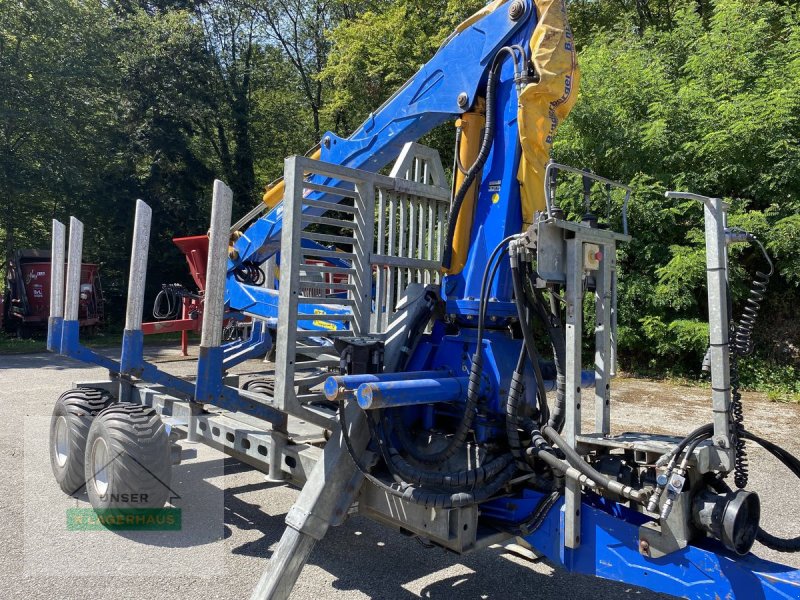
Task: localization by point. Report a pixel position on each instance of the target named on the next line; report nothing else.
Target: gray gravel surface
(237, 517)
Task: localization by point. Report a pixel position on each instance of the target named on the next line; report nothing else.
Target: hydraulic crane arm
(533, 94)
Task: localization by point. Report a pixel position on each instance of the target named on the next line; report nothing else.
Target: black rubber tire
(77, 407)
(263, 385)
(138, 462)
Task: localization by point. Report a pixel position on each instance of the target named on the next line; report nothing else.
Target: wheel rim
(62, 443)
(100, 467)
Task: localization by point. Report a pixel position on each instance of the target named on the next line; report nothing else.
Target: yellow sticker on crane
(323, 324)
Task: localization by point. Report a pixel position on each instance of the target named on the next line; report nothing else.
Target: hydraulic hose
(552, 321)
(483, 153)
(417, 495)
(789, 460)
(536, 518)
(512, 406)
(468, 478)
(167, 303)
(741, 345)
(768, 539)
(527, 333)
(464, 426)
(576, 460)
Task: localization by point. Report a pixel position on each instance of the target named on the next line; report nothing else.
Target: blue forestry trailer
(444, 373)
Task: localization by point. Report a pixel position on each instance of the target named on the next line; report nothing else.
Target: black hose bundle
(515, 389)
(418, 495)
(768, 539)
(534, 520)
(168, 301)
(527, 334)
(551, 319)
(249, 273)
(464, 426)
(690, 442)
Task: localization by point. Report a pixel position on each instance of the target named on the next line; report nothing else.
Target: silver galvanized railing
(384, 233)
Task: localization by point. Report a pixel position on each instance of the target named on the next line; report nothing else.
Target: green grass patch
(781, 383)
(15, 345)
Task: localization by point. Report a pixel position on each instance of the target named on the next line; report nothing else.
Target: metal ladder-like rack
(379, 234)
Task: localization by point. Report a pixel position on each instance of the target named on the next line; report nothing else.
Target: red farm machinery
(25, 305)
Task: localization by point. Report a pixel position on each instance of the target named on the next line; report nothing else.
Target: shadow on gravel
(41, 361)
(366, 557)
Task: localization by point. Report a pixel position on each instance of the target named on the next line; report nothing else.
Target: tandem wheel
(128, 461)
(69, 427)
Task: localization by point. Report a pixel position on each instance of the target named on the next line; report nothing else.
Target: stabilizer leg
(324, 500)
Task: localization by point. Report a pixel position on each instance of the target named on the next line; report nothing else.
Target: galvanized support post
(718, 321)
(56, 287)
(70, 326)
(364, 235)
(572, 426)
(209, 384)
(291, 256)
(324, 500)
(612, 371)
(602, 341)
(269, 284)
(132, 358)
(279, 434)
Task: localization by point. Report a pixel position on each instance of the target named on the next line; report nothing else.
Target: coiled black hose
(743, 335)
(249, 273)
(741, 471)
(464, 426)
(741, 344)
(167, 304)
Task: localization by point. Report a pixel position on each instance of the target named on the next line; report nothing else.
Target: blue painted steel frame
(425, 101)
(209, 387)
(609, 549)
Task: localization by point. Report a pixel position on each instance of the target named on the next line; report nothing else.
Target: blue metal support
(388, 394)
(610, 549)
(338, 386)
(239, 351)
(71, 346)
(263, 303)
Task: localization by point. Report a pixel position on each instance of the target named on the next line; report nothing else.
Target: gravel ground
(233, 518)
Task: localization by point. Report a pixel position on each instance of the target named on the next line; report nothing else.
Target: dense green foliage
(104, 102)
(703, 97)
